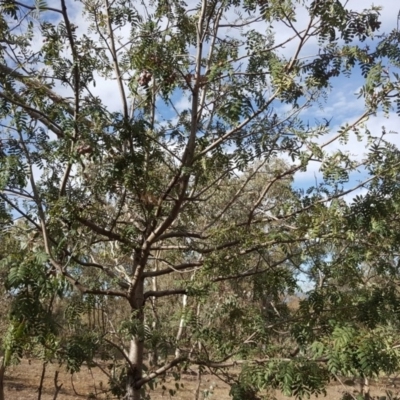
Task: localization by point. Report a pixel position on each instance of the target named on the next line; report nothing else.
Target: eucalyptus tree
(133, 142)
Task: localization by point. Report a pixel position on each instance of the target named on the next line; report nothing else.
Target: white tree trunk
(153, 353)
(136, 349)
(181, 326)
(365, 388)
(182, 321)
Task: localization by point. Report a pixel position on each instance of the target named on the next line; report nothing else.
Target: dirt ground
(22, 381)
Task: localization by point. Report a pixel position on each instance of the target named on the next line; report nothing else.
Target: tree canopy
(147, 158)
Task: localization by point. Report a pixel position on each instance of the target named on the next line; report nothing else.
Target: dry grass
(22, 381)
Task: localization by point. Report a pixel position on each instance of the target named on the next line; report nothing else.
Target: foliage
(164, 220)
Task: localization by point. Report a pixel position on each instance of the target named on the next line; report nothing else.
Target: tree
(183, 186)
(353, 307)
(4, 305)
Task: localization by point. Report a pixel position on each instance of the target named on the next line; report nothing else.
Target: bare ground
(22, 381)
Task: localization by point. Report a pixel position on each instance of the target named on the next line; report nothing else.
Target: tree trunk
(365, 388)
(136, 348)
(40, 389)
(57, 386)
(181, 326)
(2, 371)
(153, 352)
(182, 322)
(135, 371)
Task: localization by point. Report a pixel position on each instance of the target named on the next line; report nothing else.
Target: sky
(342, 104)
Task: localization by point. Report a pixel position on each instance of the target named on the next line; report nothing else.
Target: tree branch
(76, 88)
(101, 231)
(160, 371)
(33, 113)
(173, 268)
(163, 293)
(116, 64)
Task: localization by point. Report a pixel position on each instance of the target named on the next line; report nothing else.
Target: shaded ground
(22, 381)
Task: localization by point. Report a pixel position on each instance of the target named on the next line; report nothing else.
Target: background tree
(179, 192)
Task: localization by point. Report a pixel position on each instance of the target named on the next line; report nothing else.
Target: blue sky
(341, 106)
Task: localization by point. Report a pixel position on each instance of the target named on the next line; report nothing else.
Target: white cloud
(183, 103)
